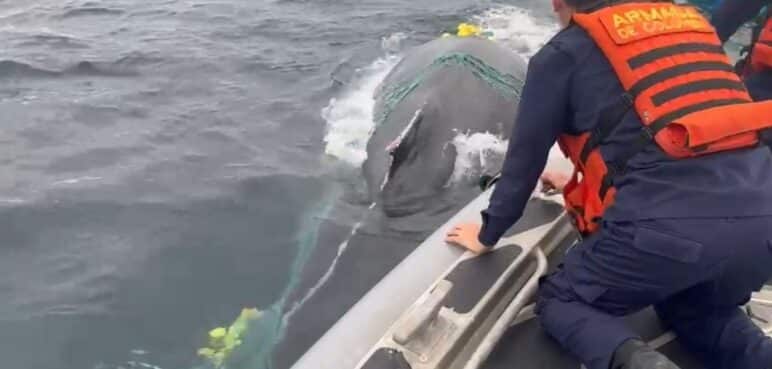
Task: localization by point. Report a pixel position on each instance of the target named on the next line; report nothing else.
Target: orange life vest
(761, 56)
(681, 84)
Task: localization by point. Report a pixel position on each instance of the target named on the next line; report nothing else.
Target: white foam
(483, 153)
(518, 28)
(393, 44)
(525, 33)
(350, 116)
(477, 154)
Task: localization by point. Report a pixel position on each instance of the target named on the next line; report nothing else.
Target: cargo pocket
(668, 246)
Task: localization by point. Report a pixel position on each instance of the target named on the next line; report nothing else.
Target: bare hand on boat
(466, 235)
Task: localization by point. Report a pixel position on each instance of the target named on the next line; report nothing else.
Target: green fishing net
(507, 85)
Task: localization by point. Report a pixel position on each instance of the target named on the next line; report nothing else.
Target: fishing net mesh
(507, 85)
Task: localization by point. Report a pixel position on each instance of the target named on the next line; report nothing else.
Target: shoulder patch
(626, 24)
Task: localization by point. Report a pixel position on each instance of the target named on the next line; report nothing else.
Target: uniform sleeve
(731, 14)
(542, 116)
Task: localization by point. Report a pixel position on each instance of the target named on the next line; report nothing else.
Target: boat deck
(476, 313)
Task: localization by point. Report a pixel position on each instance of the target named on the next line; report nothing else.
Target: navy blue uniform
(731, 14)
(652, 248)
(727, 18)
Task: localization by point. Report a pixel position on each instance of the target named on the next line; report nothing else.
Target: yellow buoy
(468, 30)
(222, 341)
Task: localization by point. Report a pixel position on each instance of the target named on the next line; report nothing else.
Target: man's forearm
(540, 120)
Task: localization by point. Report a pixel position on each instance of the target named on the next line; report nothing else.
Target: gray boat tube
(361, 328)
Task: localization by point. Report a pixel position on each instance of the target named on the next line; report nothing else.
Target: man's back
(691, 236)
(737, 183)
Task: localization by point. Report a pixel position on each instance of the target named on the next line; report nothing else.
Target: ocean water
(163, 163)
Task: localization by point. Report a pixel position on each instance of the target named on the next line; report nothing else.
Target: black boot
(635, 354)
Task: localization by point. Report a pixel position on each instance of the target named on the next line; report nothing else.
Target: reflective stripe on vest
(680, 82)
(761, 57)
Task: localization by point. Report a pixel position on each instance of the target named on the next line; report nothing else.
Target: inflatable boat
(442, 308)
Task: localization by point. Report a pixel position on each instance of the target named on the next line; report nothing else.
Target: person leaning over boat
(756, 67)
(673, 190)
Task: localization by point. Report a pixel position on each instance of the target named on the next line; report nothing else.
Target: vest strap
(608, 121)
(679, 70)
(694, 87)
(677, 49)
(618, 166)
